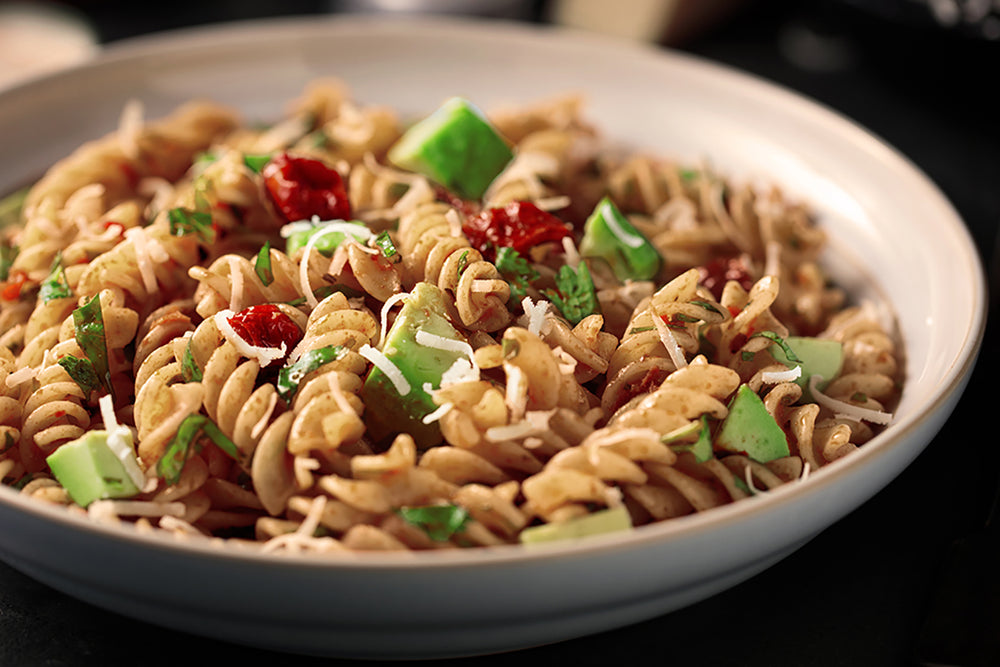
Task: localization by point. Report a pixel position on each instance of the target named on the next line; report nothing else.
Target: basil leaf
(262, 267)
(291, 375)
(82, 371)
(8, 253)
(780, 342)
(179, 449)
(88, 321)
(184, 221)
(189, 367)
(440, 522)
(576, 297)
(56, 286)
(256, 162)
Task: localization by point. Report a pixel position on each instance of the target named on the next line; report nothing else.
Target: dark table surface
(856, 594)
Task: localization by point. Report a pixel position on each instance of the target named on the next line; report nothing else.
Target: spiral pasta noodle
(305, 337)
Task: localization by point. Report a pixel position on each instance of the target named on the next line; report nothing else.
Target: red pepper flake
(266, 326)
(519, 225)
(302, 187)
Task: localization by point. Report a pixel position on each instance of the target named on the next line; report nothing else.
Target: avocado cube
(610, 520)
(817, 356)
(387, 412)
(325, 244)
(608, 234)
(455, 146)
(750, 429)
(89, 470)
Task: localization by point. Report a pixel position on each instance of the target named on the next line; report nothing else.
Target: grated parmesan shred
(119, 441)
(144, 262)
(844, 409)
(384, 364)
(263, 355)
(774, 377)
(669, 342)
(384, 318)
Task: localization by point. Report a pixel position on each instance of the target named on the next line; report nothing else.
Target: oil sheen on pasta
(174, 270)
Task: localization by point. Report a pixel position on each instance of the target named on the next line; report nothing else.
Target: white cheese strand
(845, 409)
(774, 377)
(137, 235)
(386, 307)
(327, 227)
(668, 340)
(263, 355)
(436, 342)
(536, 313)
(119, 441)
(20, 376)
(432, 417)
(384, 364)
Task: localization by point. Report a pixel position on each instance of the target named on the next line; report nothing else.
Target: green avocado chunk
(608, 234)
(701, 448)
(89, 470)
(750, 429)
(610, 520)
(817, 356)
(455, 146)
(327, 243)
(387, 411)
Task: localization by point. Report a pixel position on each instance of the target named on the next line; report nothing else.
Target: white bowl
(882, 214)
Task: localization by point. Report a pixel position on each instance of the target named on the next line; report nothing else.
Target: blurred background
(920, 74)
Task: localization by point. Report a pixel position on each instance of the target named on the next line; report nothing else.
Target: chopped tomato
(266, 326)
(519, 225)
(721, 270)
(302, 187)
(10, 289)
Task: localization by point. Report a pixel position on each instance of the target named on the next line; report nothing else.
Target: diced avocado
(89, 470)
(326, 243)
(608, 234)
(611, 520)
(817, 356)
(387, 412)
(750, 429)
(701, 448)
(455, 146)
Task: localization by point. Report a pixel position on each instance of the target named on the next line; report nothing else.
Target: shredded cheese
(384, 364)
(143, 260)
(668, 340)
(263, 355)
(327, 227)
(842, 408)
(386, 307)
(774, 377)
(434, 416)
(119, 441)
(536, 313)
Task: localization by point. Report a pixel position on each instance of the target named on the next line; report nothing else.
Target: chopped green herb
(256, 162)
(180, 447)
(635, 330)
(707, 306)
(291, 375)
(384, 243)
(859, 397)
(780, 342)
(574, 295)
(262, 267)
(8, 253)
(11, 206)
(88, 321)
(8, 442)
(463, 262)
(440, 522)
(747, 356)
(184, 221)
(56, 286)
(189, 367)
(518, 272)
(83, 373)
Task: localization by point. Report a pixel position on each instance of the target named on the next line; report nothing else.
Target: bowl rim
(237, 33)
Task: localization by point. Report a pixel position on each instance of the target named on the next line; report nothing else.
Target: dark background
(857, 594)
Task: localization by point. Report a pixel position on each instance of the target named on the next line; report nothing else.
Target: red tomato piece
(720, 270)
(266, 326)
(10, 290)
(302, 187)
(519, 225)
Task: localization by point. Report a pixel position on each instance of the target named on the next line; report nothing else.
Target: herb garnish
(516, 269)
(291, 375)
(88, 321)
(262, 267)
(780, 342)
(180, 447)
(82, 372)
(184, 221)
(440, 522)
(384, 243)
(56, 286)
(574, 295)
